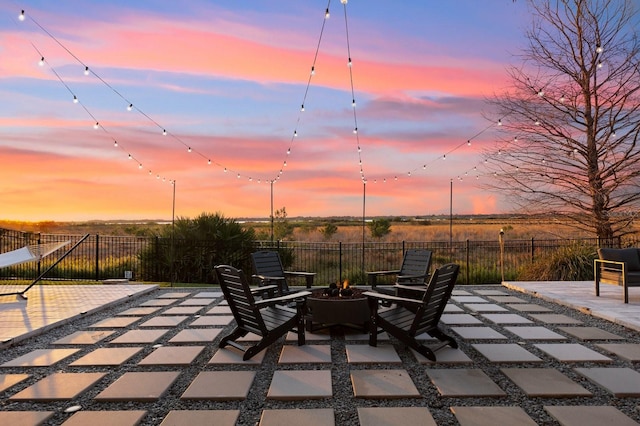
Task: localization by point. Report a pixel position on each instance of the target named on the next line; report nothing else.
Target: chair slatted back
(435, 298)
(268, 263)
(237, 292)
(416, 262)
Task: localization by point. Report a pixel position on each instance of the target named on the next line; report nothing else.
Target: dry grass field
(349, 230)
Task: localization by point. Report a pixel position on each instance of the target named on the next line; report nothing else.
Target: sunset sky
(227, 79)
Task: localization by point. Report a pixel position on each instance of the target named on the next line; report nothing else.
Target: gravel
(344, 403)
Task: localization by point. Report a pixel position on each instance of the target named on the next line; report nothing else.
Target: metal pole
(451, 219)
(364, 198)
(173, 227)
(271, 212)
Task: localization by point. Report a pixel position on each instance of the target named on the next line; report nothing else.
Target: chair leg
(438, 334)
(235, 334)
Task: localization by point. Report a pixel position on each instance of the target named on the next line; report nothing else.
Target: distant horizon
(223, 99)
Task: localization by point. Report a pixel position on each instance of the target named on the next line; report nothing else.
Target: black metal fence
(157, 259)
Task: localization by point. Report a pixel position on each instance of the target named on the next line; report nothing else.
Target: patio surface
(126, 363)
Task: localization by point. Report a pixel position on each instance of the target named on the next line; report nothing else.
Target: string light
(598, 48)
(75, 99)
(313, 70)
(115, 144)
(562, 99)
(86, 70)
(95, 126)
(209, 162)
(130, 107)
(326, 14)
(21, 16)
(164, 132)
(189, 149)
(41, 62)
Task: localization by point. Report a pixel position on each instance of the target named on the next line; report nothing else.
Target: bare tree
(570, 122)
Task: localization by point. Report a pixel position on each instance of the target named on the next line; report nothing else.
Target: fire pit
(332, 306)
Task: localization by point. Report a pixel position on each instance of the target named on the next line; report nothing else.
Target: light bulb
(130, 157)
(86, 70)
(164, 132)
(349, 63)
(75, 99)
(600, 64)
(285, 164)
(313, 70)
(599, 49)
(115, 144)
(359, 149)
(409, 174)
(353, 103)
(150, 173)
(541, 93)
(288, 151)
(302, 108)
(140, 166)
(41, 62)
(21, 16)
(189, 149)
(469, 142)
(562, 99)
(444, 157)
(158, 177)
(500, 122)
(537, 123)
(209, 162)
(355, 130)
(515, 139)
(238, 176)
(343, 1)
(225, 170)
(295, 133)
(130, 107)
(326, 14)
(95, 126)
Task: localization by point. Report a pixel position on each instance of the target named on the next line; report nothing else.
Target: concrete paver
(310, 417)
(464, 383)
(106, 418)
(300, 384)
(201, 418)
(58, 386)
(384, 416)
(107, 356)
(86, 337)
(139, 386)
(621, 382)
(220, 386)
(381, 384)
(545, 382)
(589, 416)
(492, 416)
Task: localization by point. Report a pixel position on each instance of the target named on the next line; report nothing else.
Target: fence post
(39, 260)
(340, 261)
(97, 257)
(467, 249)
(532, 251)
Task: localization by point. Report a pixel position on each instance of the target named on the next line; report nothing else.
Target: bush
(190, 249)
(570, 263)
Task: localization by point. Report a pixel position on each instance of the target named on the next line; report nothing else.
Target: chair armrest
(611, 263)
(263, 288)
(397, 271)
(410, 277)
(417, 289)
(267, 278)
(286, 298)
(300, 274)
(392, 299)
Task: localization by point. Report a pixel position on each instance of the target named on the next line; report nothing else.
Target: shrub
(192, 247)
(570, 263)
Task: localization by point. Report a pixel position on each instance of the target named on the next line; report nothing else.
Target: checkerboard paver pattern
(147, 347)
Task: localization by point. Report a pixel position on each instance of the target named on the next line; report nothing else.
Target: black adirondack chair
(263, 317)
(411, 316)
(268, 270)
(414, 269)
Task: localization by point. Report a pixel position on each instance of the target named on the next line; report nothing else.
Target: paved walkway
(158, 357)
(580, 295)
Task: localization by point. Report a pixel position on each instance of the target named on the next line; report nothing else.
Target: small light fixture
(130, 107)
(41, 62)
(75, 99)
(326, 14)
(598, 48)
(86, 70)
(164, 132)
(21, 16)
(95, 126)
